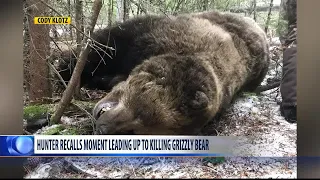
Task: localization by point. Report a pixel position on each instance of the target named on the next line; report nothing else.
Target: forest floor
(270, 147)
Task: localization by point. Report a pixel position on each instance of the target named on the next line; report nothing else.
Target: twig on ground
(69, 166)
(150, 163)
(89, 114)
(267, 87)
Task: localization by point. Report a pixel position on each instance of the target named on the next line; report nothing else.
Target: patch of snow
(275, 41)
(40, 173)
(66, 120)
(271, 135)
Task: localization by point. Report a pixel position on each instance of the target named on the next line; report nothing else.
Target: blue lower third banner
(119, 145)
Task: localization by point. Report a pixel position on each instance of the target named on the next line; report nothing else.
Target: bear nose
(102, 108)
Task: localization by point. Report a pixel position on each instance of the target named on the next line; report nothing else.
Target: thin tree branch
(58, 74)
(85, 111)
(68, 93)
(75, 26)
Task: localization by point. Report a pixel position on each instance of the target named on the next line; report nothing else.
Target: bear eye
(103, 110)
(105, 107)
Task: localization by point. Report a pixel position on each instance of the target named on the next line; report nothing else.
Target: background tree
(39, 50)
(110, 12)
(269, 16)
(79, 25)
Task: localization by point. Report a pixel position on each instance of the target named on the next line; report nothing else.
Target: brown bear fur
(200, 62)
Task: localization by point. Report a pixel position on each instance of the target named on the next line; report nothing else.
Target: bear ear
(200, 101)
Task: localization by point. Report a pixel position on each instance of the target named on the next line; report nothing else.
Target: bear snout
(113, 118)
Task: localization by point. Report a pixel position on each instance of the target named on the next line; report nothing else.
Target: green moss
(35, 111)
(71, 131)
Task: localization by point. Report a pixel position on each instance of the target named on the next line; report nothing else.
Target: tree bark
(110, 12)
(126, 6)
(281, 17)
(26, 48)
(120, 10)
(269, 17)
(255, 10)
(69, 13)
(291, 14)
(79, 25)
(138, 9)
(67, 95)
(39, 49)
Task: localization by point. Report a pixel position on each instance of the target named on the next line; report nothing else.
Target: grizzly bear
(182, 71)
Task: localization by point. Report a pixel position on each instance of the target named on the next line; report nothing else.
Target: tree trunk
(255, 10)
(26, 48)
(280, 17)
(39, 86)
(138, 8)
(120, 10)
(67, 95)
(69, 13)
(126, 7)
(110, 12)
(291, 14)
(79, 25)
(269, 17)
